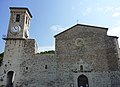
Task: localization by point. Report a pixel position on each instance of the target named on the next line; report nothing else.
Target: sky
(50, 17)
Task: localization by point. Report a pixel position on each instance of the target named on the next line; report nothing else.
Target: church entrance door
(83, 81)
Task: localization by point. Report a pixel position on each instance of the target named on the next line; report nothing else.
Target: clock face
(15, 29)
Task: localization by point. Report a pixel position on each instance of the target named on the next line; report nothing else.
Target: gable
(81, 26)
(80, 39)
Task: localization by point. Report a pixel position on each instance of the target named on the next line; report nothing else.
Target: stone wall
(39, 71)
(112, 53)
(16, 51)
(86, 43)
(89, 47)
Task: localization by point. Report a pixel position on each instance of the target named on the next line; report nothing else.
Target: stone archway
(10, 77)
(83, 81)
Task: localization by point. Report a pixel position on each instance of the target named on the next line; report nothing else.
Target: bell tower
(17, 45)
(19, 24)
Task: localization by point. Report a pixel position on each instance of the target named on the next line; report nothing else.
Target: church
(85, 56)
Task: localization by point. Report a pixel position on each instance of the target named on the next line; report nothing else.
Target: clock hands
(16, 28)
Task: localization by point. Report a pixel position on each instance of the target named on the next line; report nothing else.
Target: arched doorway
(10, 78)
(83, 81)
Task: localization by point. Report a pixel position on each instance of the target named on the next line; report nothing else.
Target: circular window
(79, 42)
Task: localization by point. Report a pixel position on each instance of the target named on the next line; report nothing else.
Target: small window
(81, 67)
(26, 20)
(18, 18)
(46, 67)
(26, 68)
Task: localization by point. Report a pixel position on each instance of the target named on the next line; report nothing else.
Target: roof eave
(22, 8)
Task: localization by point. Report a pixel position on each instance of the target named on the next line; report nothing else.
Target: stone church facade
(85, 56)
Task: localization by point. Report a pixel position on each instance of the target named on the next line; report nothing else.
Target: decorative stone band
(77, 71)
(14, 38)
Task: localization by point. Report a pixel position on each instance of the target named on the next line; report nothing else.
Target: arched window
(46, 67)
(83, 81)
(18, 18)
(81, 67)
(10, 78)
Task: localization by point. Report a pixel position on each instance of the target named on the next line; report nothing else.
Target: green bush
(1, 54)
(1, 58)
(48, 52)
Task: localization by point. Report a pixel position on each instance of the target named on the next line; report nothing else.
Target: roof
(82, 25)
(22, 8)
(114, 37)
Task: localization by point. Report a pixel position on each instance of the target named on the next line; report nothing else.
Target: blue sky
(53, 16)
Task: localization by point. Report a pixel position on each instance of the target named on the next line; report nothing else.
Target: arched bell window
(10, 79)
(81, 67)
(18, 18)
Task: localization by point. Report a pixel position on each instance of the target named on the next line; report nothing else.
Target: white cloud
(73, 8)
(57, 28)
(116, 14)
(117, 22)
(45, 48)
(114, 31)
(98, 9)
(118, 8)
(89, 10)
(108, 8)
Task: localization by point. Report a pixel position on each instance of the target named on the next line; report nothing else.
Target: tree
(1, 54)
(1, 58)
(48, 52)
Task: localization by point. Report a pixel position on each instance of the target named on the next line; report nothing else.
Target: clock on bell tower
(19, 24)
